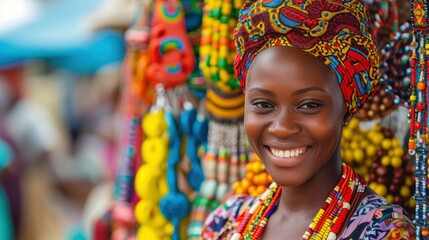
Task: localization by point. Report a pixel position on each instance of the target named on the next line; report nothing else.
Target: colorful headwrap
(334, 31)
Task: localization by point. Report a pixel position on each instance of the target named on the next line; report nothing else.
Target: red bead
(420, 106)
(418, 125)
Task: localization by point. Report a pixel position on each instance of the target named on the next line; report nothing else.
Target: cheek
(253, 126)
(325, 128)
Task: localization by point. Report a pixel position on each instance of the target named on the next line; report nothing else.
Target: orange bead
(250, 176)
(412, 144)
(425, 232)
(421, 86)
(252, 190)
(235, 186)
(245, 183)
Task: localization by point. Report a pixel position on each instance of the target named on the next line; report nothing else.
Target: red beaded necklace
(326, 224)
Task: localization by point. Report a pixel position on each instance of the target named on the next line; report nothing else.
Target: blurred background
(60, 66)
(63, 65)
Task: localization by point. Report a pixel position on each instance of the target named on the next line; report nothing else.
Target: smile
(289, 153)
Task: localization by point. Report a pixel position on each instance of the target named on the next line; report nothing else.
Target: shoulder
(219, 223)
(375, 218)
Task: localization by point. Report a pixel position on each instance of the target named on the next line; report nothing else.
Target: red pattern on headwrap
(336, 32)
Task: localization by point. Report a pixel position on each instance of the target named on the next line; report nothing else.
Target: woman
(306, 66)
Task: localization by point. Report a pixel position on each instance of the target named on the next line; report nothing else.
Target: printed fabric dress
(373, 219)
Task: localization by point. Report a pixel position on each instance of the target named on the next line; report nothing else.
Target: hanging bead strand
(418, 111)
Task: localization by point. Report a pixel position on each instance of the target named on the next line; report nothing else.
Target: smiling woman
(293, 117)
(306, 67)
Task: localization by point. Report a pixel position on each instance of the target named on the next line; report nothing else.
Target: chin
(285, 178)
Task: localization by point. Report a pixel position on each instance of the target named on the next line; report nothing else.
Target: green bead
(224, 19)
(215, 77)
(222, 62)
(230, 69)
(216, 12)
(233, 83)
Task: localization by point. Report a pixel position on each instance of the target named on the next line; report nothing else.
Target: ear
(347, 116)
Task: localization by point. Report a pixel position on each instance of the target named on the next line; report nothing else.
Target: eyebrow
(261, 90)
(297, 92)
(309, 89)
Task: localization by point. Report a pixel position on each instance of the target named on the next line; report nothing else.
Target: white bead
(332, 236)
(235, 236)
(254, 207)
(346, 205)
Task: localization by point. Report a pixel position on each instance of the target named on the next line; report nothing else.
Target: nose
(284, 124)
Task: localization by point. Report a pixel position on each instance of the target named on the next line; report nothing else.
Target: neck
(310, 196)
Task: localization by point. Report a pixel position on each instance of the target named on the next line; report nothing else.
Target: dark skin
(294, 114)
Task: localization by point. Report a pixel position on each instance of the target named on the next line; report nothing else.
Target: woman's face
(294, 113)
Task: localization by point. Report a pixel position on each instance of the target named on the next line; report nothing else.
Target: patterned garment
(373, 219)
(334, 31)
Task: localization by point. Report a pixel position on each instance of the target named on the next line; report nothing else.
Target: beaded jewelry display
(137, 59)
(150, 181)
(377, 155)
(175, 205)
(188, 118)
(384, 18)
(133, 105)
(224, 162)
(395, 69)
(171, 58)
(418, 111)
(217, 49)
(193, 17)
(326, 224)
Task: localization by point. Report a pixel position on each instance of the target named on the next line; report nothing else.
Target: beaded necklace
(326, 224)
(418, 110)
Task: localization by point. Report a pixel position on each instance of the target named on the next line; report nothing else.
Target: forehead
(289, 63)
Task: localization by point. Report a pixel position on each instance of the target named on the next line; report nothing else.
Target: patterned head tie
(334, 31)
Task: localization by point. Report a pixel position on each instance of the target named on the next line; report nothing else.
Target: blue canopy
(60, 34)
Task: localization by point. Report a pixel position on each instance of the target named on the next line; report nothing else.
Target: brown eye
(262, 104)
(310, 105)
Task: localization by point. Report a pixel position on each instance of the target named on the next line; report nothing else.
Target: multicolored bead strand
(327, 222)
(395, 69)
(193, 16)
(418, 111)
(133, 105)
(217, 48)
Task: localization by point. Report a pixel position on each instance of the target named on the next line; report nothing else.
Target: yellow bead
(223, 51)
(154, 124)
(226, 9)
(148, 232)
(224, 75)
(204, 50)
(146, 182)
(155, 150)
(413, 98)
(214, 69)
(224, 28)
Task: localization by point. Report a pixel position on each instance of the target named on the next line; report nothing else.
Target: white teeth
(288, 153)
